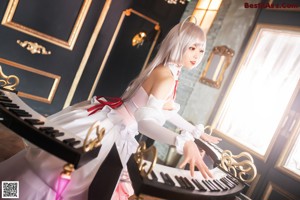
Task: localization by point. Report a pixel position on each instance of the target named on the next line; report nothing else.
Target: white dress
(37, 171)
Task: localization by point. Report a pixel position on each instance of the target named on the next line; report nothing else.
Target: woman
(145, 106)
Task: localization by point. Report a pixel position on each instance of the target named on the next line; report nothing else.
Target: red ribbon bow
(113, 102)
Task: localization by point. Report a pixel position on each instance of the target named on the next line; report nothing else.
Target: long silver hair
(172, 48)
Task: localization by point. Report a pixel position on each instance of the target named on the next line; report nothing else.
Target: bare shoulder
(162, 80)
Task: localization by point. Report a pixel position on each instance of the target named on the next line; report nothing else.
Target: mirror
(218, 62)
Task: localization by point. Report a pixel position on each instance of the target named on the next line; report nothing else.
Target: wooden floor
(10, 143)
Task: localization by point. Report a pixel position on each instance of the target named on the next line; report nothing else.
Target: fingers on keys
(200, 165)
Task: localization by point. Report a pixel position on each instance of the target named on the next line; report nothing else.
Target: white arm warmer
(150, 121)
(181, 123)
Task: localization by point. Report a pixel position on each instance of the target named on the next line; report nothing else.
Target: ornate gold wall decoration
(126, 13)
(8, 82)
(245, 170)
(218, 62)
(69, 44)
(139, 39)
(56, 80)
(34, 47)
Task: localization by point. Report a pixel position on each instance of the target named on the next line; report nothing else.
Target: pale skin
(159, 84)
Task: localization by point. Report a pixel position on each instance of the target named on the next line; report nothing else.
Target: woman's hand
(209, 138)
(193, 156)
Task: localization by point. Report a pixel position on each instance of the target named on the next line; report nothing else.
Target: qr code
(10, 189)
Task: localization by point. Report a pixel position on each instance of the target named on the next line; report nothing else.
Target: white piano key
(217, 175)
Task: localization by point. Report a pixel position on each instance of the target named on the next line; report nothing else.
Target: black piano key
(182, 179)
(154, 177)
(9, 105)
(229, 180)
(210, 186)
(5, 99)
(214, 185)
(20, 113)
(50, 131)
(165, 178)
(190, 186)
(46, 128)
(220, 184)
(233, 179)
(170, 179)
(73, 143)
(34, 121)
(56, 134)
(199, 185)
(180, 182)
(226, 182)
(68, 140)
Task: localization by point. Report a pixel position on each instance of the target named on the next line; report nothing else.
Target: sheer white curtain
(293, 161)
(262, 88)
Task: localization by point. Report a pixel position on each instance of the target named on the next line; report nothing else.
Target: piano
(214, 152)
(177, 184)
(35, 128)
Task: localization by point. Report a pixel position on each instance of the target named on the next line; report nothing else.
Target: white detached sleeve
(151, 119)
(184, 125)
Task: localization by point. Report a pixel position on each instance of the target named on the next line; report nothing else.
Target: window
(260, 91)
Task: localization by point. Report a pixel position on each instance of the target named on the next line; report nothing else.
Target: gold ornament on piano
(245, 170)
(90, 144)
(34, 47)
(68, 169)
(10, 82)
(140, 155)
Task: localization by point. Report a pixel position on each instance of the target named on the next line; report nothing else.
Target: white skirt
(37, 171)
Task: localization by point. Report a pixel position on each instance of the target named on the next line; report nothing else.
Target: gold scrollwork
(34, 47)
(139, 158)
(6, 83)
(90, 144)
(245, 170)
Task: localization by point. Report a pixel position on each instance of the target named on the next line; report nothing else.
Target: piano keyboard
(211, 149)
(30, 125)
(173, 183)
